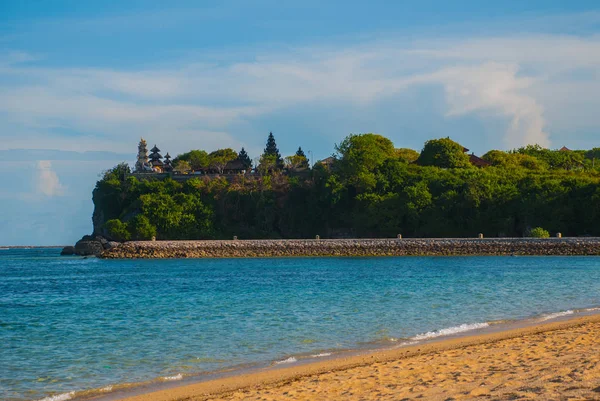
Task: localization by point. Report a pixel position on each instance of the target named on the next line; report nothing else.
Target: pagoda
(142, 157)
(156, 159)
(167, 164)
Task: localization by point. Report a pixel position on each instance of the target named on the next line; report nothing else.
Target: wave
(59, 397)
(555, 315)
(321, 355)
(176, 377)
(291, 359)
(449, 331)
(407, 343)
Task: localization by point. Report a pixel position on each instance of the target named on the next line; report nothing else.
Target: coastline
(355, 248)
(565, 336)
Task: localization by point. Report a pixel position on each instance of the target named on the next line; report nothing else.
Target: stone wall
(354, 247)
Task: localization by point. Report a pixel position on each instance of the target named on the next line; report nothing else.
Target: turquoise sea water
(69, 324)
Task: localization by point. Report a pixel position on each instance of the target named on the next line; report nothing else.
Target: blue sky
(89, 76)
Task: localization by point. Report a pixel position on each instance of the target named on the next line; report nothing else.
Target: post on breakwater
(480, 236)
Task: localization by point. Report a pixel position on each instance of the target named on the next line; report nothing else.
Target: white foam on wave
(291, 359)
(321, 355)
(107, 388)
(555, 315)
(176, 377)
(59, 397)
(407, 343)
(449, 331)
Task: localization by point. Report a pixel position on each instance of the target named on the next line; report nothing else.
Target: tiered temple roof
(167, 163)
(155, 157)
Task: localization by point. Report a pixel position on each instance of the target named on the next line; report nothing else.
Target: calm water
(71, 324)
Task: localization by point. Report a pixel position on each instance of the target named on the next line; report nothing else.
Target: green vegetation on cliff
(370, 190)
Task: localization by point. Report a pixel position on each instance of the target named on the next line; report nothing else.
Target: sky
(82, 81)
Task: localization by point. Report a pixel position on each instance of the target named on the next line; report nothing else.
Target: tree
(218, 159)
(141, 228)
(271, 150)
(119, 172)
(117, 230)
(198, 159)
(407, 155)
(554, 159)
(182, 166)
(539, 232)
(244, 159)
(444, 153)
(267, 164)
(302, 156)
(295, 163)
(499, 158)
(360, 155)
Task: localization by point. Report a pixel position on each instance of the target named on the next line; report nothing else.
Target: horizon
(95, 77)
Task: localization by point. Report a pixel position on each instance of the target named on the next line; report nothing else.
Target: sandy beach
(548, 361)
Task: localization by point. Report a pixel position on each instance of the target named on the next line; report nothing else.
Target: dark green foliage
(444, 153)
(117, 230)
(141, 228)
(370, 191)
(245, 160)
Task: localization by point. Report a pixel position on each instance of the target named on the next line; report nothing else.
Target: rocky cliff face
(98, 218)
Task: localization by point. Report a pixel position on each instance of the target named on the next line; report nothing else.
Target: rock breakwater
(354, 247)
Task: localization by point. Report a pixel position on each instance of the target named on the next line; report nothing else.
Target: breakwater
(354, 247)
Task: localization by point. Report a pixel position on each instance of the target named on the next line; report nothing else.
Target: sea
(72, 327)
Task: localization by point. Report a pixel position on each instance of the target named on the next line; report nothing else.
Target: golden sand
(553, 361)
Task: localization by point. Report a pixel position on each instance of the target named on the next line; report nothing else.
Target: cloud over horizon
(204, 103)
(47, 182)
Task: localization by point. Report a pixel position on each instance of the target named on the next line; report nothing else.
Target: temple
(152, 163)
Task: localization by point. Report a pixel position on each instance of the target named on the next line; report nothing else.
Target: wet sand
(551, 361)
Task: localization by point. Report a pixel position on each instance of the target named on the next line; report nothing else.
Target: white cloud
(195, 104)
(496, 88)
(47, 182)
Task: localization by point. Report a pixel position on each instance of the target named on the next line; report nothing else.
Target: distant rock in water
(89, 245)
(87, 248)
(68, 251)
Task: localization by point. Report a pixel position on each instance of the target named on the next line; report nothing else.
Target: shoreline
(227, 382)
(355, 248)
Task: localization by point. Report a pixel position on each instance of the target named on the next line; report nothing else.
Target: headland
(356, 248)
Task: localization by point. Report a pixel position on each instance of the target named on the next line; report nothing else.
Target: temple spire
(142, 156)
